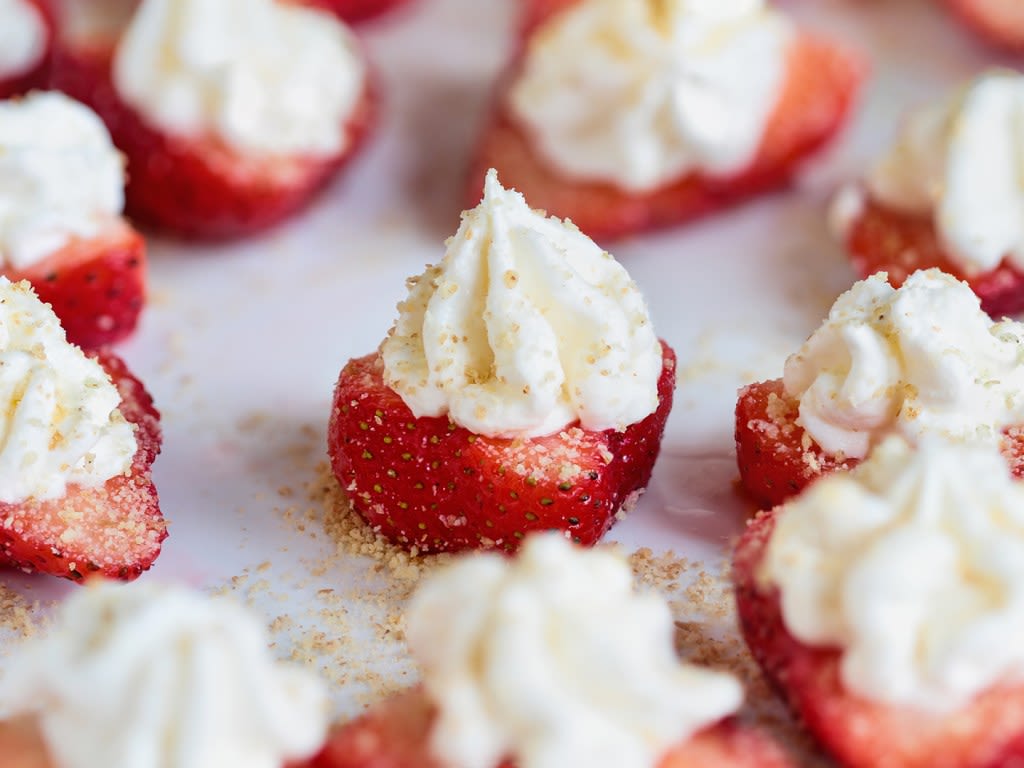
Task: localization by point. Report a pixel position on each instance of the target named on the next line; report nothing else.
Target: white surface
(258, 332)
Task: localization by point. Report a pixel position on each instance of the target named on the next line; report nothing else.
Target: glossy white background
(241, 345)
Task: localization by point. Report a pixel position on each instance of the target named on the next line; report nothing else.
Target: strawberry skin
(37, 76)
(22, 745)
(1001, 22)
(115, 530)
(777, 459)
(396, 734)
(355, 11)
(429, 485)
(96, 286)
(858, 733)
(199, 188)
(820, 88)
(881, 239)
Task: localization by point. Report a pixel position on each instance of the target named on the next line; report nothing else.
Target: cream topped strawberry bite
(522, 388)
(232, 113)
(78, 438)
(947, 194)
(26, 36)
(628, 114)
(921, 359)
(150, 676)
(549, 659)
(884, 604)
(61, 197)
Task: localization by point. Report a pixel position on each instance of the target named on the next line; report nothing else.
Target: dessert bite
(522, 388)
(79, 436)
(625, 115)
(550, 658)
(355, 11)
(26, 38)
(883, 605)
(61, 228)
(150, 676)
(919, 359)
(1001, 22)
(947, 195)
(232, 114)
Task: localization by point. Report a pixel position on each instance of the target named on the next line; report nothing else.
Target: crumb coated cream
(923, 358)
(554, 659)
(147, 676)
(60, 176)
(639, 93)
(263, 76)
(912, 565)
(524, 327)
(59, 422)
(23, 37)
(958, 162)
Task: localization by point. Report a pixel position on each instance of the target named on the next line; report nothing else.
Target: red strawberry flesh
(429, 485)
(1001, 22)
(114, 530)
(881, 239)
(199, 188)
(820, 88)
(19, 83)
(857, 732)
(355, 11)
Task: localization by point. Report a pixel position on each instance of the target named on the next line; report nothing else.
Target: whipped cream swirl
(959, 162)
(60, 176)
(264, 76)
(638, 93)
(145, 676)
(913, 566)
(23, 37)
(923, 358)
(553, 658)
(524, 327)
(59, 418)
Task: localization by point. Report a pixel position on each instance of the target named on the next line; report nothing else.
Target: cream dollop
(639, 93)
(913, 565)
(264, 76)
(959, 162)
(923, 358)
(524, 327)
(23, 37)
(553, 658)
(59, 418)
(60, 176)
(146, 676)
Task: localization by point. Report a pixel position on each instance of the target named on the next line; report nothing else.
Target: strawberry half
(858, 733)
(1001, 22)
(820, 88)
(198, 188)
(36, 76)
(430, 485)
(96, 286)
(881, 239)
(777, 459)
(115, 530)
(354, 11)
(396, 735)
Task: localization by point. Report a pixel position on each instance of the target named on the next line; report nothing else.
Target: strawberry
(21, 744)
(859, 733)
(17, 83)
(999, 21)
(777, 459)
(354, 11)
(820, 89)
(115, 530)
(881, 239)
(396, 735)
(96, 286)
(198, 188)
(428, 484)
